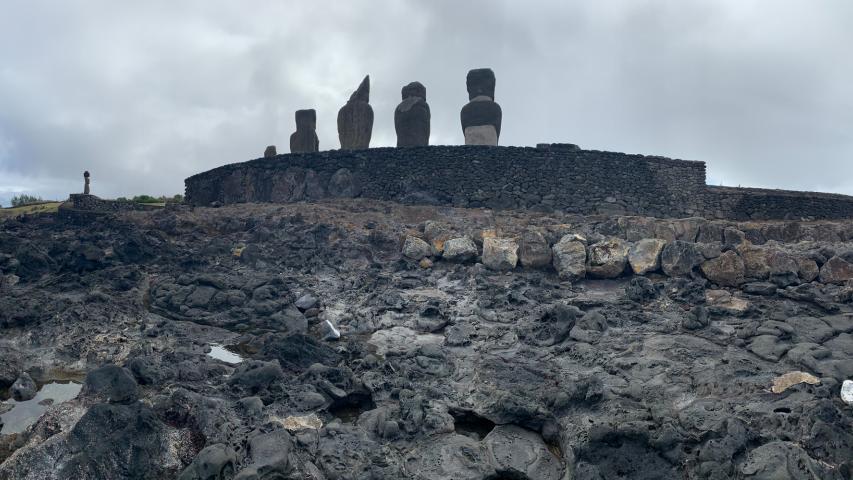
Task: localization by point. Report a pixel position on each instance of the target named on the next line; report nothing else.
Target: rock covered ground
(379, 341)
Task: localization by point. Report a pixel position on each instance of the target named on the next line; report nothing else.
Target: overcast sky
(144, 94)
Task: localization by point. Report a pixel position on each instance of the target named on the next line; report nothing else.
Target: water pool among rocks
(24, 414)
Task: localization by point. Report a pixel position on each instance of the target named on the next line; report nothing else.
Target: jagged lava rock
(836, 270)
(459, 249)
(534, 250)
(415, 248)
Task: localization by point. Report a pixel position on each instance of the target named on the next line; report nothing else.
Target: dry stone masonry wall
(556, 177)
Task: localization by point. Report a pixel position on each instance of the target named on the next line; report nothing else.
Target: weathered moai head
(481, 82)
(481, 116)
(270, 151)
(355, 119)
(305, 140)
(306, 120)
(414, 89)
(412, 117)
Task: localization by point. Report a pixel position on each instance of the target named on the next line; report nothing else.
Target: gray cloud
(144, 94)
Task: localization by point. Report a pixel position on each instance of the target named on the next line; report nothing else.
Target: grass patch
(32, 209)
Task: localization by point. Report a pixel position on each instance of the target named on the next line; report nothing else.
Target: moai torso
(481, 116)
(412, 117)
(304, 139)
(86, 182)
(355, 119)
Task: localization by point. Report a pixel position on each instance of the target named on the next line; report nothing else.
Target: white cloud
(145, 94)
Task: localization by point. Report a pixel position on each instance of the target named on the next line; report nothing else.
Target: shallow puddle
(219, 352)
(24, 414)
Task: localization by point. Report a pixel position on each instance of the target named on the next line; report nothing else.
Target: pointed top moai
(412, 117)
(481, 117)
(304, 139)
(355, 119)
(362, 93)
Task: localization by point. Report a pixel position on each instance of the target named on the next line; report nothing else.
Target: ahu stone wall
(555, 177)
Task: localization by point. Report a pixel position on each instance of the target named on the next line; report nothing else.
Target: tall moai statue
(86, 182)
(411, 117)
(355, 119)
(304, 139)
(481, 116)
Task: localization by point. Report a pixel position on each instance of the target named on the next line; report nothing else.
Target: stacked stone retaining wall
(556, 177)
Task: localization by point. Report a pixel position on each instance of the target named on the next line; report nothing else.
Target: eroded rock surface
(701, 350)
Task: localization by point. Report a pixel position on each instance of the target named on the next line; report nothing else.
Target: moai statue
(355, 119)
(411, 118)
(86, 182)
(481, 117)
(270, 151)
(304, 139)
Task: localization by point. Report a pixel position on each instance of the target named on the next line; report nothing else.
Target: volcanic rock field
(360, 339)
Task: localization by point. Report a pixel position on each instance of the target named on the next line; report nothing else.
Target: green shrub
(24, 199)
(145, 199)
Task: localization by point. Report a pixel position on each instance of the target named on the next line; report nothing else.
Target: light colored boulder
(644, 256)
(726, 301)
(534, 250)
(726, 270)
(415, 248)
(570, 258)
(836, 270)
(500, 253)
(459, 249)
(607, 259)
(754, 261)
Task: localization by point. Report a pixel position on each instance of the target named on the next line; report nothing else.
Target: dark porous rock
(112, 384)
(214, 462)
(344, 184)
(523, 452)
(297, 352)
(412, 117)
(355, 119)
(759, 288)
(679, 258)
(116, 441)
(726, 270)
(697, 318)
(836, 270)
(268, 456)
(641, 289)
(270, 151)
(24, 388)
(783, 460)
(481, 117)
(256, 376)
(304, 139)
(553, 326)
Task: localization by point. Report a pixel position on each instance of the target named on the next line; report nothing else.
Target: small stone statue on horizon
(481, 117)
(304, 139)
(412, 117)
(355, 119)
(86, 182)
(270, 151)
